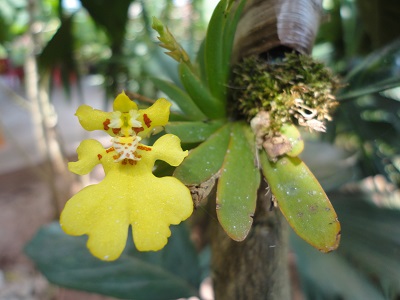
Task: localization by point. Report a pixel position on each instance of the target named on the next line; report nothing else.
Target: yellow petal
(167, 202)
(123, 104)
(100, 214)
(94, 119)
(168, 148)
(90, 153)
(154, 116)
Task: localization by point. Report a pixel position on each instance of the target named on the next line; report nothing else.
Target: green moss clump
(298, 88)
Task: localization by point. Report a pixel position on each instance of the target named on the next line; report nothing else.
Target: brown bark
(257, 268)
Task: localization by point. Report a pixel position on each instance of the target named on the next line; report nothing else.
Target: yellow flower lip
(129, 195)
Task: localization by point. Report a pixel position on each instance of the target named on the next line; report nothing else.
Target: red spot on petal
(110, 150)
(141, 147)
(99, 156)
(137, 129)
(147, 120)
(117, 156)
(125, 161)
(106, 123)
(116, 130)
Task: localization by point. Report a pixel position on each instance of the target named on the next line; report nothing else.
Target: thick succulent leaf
(237, 186)
(213, 107)
(302, 201)
(218, 45)
(181, 98)
(193, 132)
(206, 160)
(173, 272)
(379, 71)
(330, 277)
(200, 62)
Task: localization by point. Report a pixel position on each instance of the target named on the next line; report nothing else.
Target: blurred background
(58, 54)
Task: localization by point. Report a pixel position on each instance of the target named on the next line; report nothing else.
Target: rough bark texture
(256, 268)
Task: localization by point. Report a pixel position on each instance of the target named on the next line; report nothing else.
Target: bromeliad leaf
(218, 45)
(193, 132)
(302, 201)
(206, 160)
(213, 107)
(237, 186)
(181, 98)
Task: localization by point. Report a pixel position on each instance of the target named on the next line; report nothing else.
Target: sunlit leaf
(237, 186)
(302, 201)
(378, 71)
(193, 132)
(218, 45)
(206, 160)
(168, 274)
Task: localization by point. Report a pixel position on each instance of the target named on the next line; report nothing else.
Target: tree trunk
(257, 268)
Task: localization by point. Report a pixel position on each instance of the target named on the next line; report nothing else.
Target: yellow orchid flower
(129, 194)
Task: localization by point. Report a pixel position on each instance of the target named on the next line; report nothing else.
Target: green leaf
(330, 277)
(206, 160)
(218, 45)
(182, 99)
(367, 263)
(237, 186)
(168, 274)
(377, 72)
(302, 201)
(193, 132)
(200, 62)
(213, 107)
